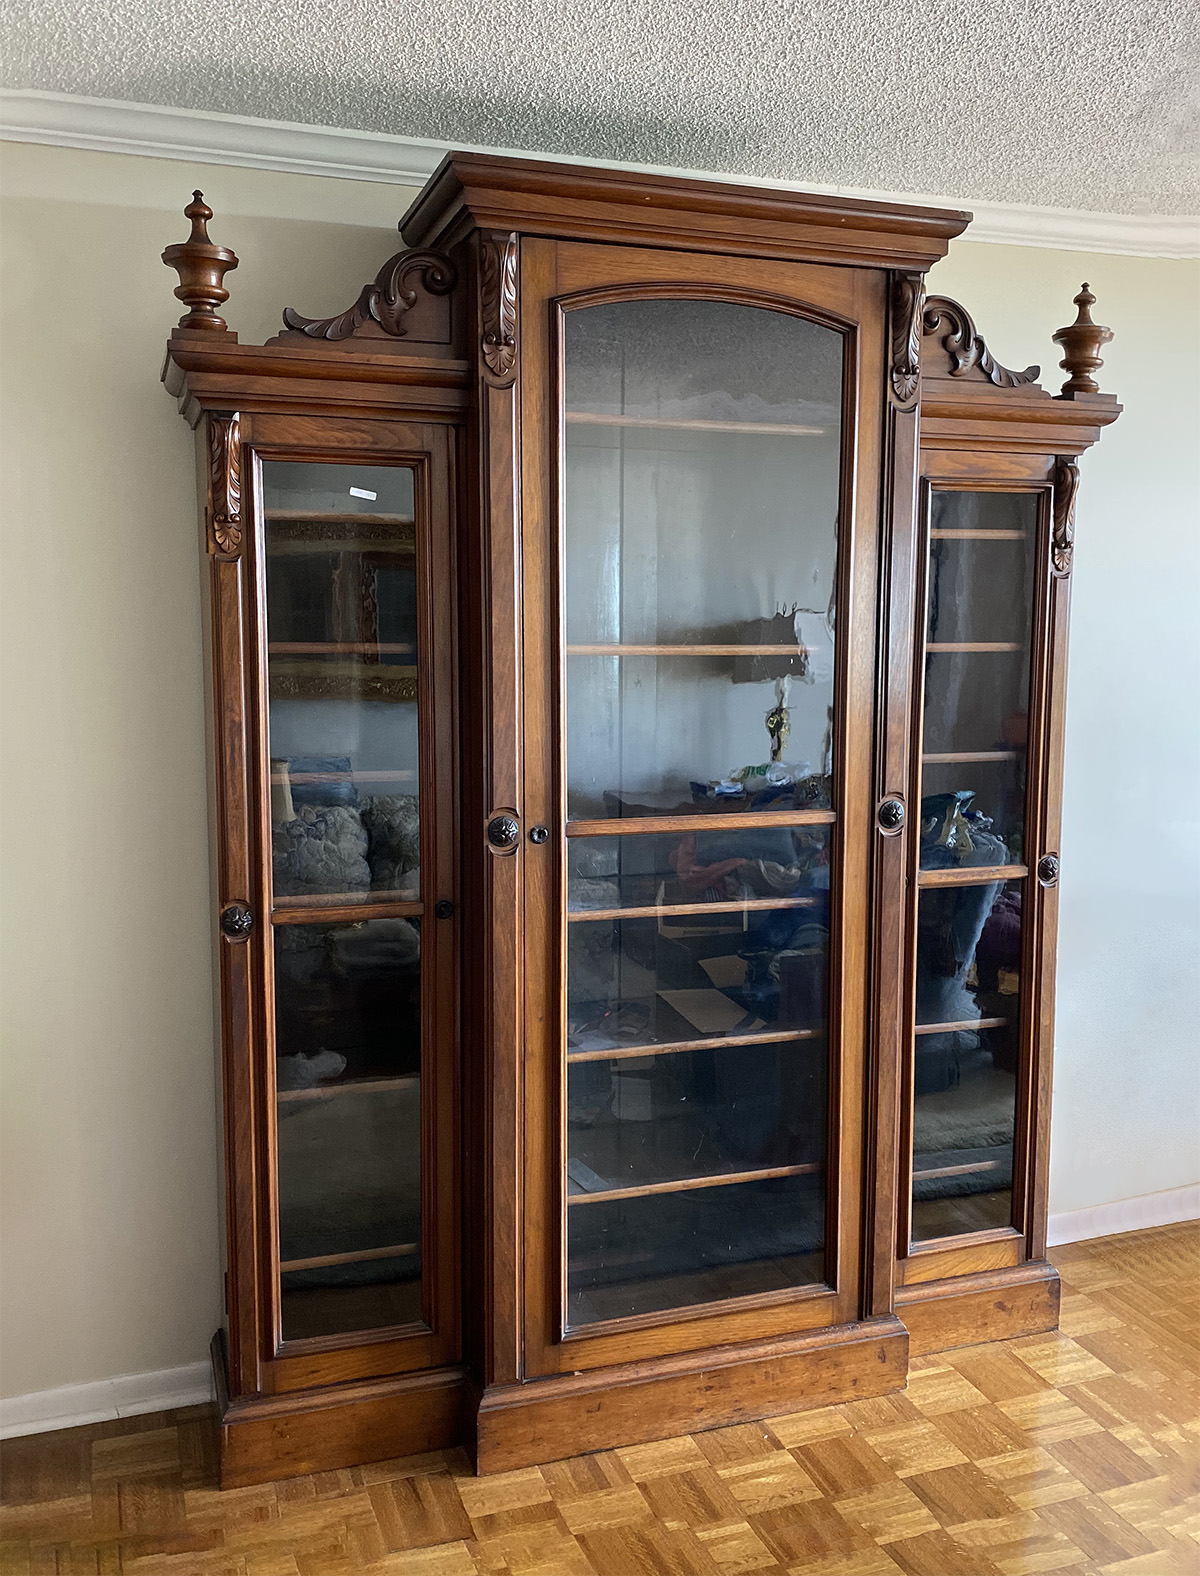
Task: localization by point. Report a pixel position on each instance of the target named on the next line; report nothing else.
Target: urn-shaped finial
(201, 267)
(1081, 343)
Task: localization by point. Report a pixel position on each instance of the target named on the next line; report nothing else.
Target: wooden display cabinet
(637, 643)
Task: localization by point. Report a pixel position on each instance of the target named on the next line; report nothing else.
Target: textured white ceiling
(1088, 104)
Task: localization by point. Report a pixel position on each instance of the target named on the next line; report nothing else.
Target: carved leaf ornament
(224, 484)
(385, 300)
(1065, 480)
(908, 298)
(498, 305)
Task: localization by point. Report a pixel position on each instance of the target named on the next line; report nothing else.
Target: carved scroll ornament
(386, 300)
(498, 305)
(225, 485)
(966, 347)
(908, 298)
(1065, 479)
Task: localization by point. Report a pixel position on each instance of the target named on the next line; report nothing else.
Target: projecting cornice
(153, 131)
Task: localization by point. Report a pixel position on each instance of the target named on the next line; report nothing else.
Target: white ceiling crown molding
(157, 131)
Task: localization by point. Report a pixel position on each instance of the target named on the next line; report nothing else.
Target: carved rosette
(1065, 480)
(224, 485)
(908, 300)
(498, 306)
(386, 300)
(966, 347)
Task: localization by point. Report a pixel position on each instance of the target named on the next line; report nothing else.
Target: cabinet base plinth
(521, 1425)
(996, 1305)
(344, 1425)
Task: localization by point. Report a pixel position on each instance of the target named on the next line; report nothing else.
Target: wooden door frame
(259, 1360)
(552, 274)
(1001, 1247)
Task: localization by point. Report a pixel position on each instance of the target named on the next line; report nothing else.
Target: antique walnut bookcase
(638, 638)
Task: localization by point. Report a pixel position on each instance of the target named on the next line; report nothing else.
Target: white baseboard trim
(128, 1395)
(1125, 1214)
(159, 131)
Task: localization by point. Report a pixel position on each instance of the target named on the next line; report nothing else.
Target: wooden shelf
(971, 875)
(724, 906)
(344, 777)
(793, 650)
(970, 534)
(961, 1023)
(955, 757)
(352, 1086)
(974, 645)
(340, 648)
(702, 821)
(956, 1171)
(323, 1261)
(337, 517)
(588, 418)
(688, 1184)
(318, 908)
(716, 1042)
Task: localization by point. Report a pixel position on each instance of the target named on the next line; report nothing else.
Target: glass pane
(700, 975)
(667, 1250)
(677, 1116)
(348, 1058)
(966, 1057)
(977, 666)
(701, 487)
(702, 473)
(342, 662)
(759, 865)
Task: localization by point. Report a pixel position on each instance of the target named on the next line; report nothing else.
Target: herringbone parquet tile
(1075, 1453)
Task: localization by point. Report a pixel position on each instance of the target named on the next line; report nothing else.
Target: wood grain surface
(1070, 1452)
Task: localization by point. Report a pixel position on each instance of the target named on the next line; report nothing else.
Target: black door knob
(444, 909)
(890, 815)
(539, 834)
(1047, 870)
(237, 921)
(503, 831)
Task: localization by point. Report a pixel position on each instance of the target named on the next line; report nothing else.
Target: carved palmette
(225, 484)
(498, 305)
(907, 303)
(1065, 480)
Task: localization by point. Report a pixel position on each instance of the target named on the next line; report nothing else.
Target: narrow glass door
(701, 484)
(343, 660)
(972, 881)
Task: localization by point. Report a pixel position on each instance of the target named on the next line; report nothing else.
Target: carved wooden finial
(201, 267)
(1081, 343)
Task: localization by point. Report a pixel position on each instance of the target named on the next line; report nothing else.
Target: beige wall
(110, 1260)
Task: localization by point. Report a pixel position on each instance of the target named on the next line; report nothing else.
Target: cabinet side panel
(225, 571)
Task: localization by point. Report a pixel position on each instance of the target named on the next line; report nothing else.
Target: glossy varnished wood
(1066, 1454)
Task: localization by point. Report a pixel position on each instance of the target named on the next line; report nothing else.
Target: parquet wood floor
(1075, 1452)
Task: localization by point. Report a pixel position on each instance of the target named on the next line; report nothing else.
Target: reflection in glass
(966, 1057)
(758, 865)
(702, 472)
(348, 1047)
(342, 652)
(701, 495)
